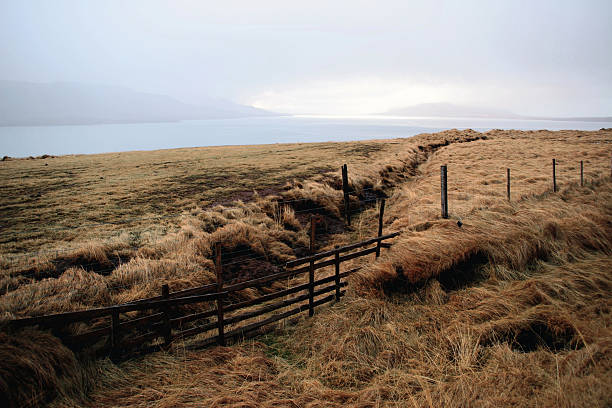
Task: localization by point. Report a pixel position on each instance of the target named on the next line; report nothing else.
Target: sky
(537, 57)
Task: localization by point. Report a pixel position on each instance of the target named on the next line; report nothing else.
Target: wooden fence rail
(222, 319)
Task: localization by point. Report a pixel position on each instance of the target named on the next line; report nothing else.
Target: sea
(24, 141)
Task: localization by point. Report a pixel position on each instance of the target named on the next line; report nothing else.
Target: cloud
(372, 94)
(534, 57)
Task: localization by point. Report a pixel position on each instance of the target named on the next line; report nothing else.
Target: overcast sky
(328, 57)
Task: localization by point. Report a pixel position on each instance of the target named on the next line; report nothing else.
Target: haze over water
(23, 141)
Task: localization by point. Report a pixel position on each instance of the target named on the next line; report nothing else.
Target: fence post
(380, 226)
(115, 339)
(508, 185)
(345, 188)
(337, 265)
(554, 175)
(219, 270)
(581, 173)
(444, 194)
(167, 329)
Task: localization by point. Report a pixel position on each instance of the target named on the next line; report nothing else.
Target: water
(22, 141)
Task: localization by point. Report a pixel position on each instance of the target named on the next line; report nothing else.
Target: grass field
(57, 202)
(512, 308)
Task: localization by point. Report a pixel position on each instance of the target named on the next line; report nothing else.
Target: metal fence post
(508, 183)
(554, 164)
(443, 190)
(581, 173)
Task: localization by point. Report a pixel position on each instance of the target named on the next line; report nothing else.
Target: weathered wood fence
(122, 332)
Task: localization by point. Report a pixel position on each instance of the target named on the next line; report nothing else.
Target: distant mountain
(459, 111)
(66, 103)
(450, 110)
(574, 119)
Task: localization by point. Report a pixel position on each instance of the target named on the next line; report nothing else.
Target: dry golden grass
(47, 202)
(477, 197)
(512, 308)
(536, 336)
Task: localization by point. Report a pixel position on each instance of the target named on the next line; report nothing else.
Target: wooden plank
(284, 292)
(141, 321)
(200, 290)
(279, 305)
(235, 319)
(265, 298)
(197, 330)
(345, 248)
(358, 254)
(179, 321)
(255, 282)
(83, 339)
(157, 304)
(254, 326)
(139, 340)
(90, 337)
(60, 319)
(242, 331)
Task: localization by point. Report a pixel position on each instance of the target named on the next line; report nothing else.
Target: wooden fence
(224, 319)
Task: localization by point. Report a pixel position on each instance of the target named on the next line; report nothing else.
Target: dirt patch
(365, 150)
(102, 267)
(247, 196)
(538, 335)
(464, 274)
(327, 226)
(423, 226)
(248, 270)
(241, 263)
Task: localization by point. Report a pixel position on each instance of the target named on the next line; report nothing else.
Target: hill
(450, 110)
(65, 103)
(461, 111)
